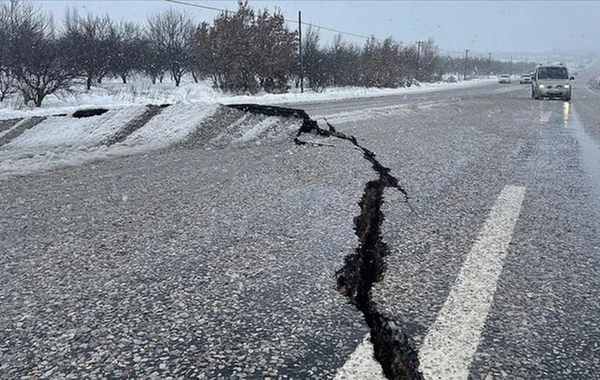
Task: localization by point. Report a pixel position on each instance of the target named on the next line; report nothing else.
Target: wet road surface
(196, 263)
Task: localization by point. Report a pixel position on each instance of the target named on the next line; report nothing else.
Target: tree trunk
(124, 77)
(39, 98)
(195, 76)
(89, 83)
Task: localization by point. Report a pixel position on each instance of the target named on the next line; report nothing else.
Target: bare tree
(428, 62)
(153, 62)
(88, 42)
(127, 50)
(315, 65)
(202, 60)
(36, 60)
(7, 84)
(343, 63)
(170, 34)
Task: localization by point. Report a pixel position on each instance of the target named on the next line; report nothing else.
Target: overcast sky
(492, 26)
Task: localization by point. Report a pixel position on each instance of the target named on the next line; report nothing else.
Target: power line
(286, 20)
(309, 24)
(197, 5)
(337, 31)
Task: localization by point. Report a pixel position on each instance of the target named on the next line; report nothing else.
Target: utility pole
(418, 59)
(511, 65)
(300, 52)
(466, 61)
(489, 64)
(527, 64)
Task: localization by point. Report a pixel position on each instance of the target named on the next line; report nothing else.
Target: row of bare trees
(246, 51)
(379, 63)
(243, 51)
(482, 66)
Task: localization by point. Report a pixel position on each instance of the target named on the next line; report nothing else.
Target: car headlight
(541, 86)
(567, 86)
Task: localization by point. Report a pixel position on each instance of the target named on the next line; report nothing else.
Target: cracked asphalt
(454, 162)
(221, 263)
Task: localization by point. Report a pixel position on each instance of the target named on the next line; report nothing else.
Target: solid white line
(361, 365)
(452, 340)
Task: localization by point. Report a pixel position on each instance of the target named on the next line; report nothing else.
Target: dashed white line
(545, 117)
(451, 342)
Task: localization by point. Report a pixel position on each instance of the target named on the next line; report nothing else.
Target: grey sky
(483, 26)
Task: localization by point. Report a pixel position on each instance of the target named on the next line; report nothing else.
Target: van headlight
(541, 86)
(567, 86)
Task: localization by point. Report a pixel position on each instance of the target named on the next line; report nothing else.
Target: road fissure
(393, 349)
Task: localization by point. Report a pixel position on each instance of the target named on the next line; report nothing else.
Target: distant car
(551, 81)
(504, 78)
(525, 78)
(451, 79)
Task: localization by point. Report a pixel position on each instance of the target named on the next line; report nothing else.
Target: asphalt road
(196, 263)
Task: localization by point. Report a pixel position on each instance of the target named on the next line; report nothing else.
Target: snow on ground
(66, 141)
(141, 91)
(58, 131)
(254, 131)
(61, 141)
(364, 114)
(173, 124)
(11, 128)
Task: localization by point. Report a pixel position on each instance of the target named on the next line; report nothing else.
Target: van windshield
(553, 73)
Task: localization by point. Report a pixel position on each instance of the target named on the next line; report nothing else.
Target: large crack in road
(366, 266)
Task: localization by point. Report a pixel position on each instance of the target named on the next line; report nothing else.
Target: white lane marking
(361, 365)
(545, 117)
(452, 340)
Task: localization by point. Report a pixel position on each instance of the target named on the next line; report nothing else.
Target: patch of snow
(57, 131)
(173, 124)
(63, 141)
(11, 128)
(257, 129)
(364, 114)
(340, 93)
(141, 92)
